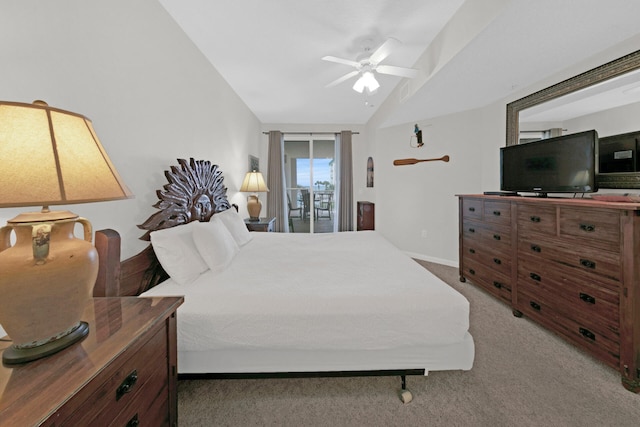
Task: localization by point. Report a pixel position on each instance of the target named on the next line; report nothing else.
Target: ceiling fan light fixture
(366, 81)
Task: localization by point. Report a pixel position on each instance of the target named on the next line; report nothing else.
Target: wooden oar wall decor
(404, 162)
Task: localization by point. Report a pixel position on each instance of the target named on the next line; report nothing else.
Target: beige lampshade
(50, 156)
(253, 183)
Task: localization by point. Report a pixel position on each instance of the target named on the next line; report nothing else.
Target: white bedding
(351, 291)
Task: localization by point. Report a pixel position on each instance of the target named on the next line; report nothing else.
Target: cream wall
(416, 207)
(150, 93)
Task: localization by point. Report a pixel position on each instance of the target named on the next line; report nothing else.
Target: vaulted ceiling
(469, 53)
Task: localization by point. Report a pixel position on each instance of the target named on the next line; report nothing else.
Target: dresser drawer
(497, 212)
(498, 262)
(537, 219)
(487, 237)
(491, 280)
(587, 260)
(571, 293)
(128, 386)
(472, 208)
(595, 227)
(582, 332)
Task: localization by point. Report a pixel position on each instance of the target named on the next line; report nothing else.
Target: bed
(284, 304)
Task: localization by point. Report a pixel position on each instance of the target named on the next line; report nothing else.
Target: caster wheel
(406, 396)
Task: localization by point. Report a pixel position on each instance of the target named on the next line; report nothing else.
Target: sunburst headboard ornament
(194, 193)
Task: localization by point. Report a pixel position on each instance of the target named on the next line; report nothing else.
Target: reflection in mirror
(606, 99)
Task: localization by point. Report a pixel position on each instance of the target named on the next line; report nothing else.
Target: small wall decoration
(418, 136)
(254, 163)
(370, 172)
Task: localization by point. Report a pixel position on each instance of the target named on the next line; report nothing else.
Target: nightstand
(123, 372)
(263, 224)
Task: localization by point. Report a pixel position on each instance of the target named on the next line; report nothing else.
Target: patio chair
(293, 210)
(323, 203)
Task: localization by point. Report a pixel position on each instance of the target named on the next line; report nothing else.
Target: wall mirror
(606, 98)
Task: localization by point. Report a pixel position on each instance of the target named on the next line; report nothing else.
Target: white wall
(416, 207)
(609, 122)
(150, 93)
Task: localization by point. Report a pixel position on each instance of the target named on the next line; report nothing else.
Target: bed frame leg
(405, 395)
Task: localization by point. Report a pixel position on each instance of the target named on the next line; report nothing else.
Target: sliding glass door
(310, 176)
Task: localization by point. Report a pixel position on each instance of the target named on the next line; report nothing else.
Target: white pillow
(215, 244)
(178, 254)
(235, 225)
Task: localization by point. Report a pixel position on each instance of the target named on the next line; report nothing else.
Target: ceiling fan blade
(397, 71)
(343, 78)
(342, 61)
(383, 51)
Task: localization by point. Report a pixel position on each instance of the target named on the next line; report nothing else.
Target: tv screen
(565, 164)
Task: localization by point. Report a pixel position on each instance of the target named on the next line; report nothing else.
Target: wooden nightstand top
(32, 392)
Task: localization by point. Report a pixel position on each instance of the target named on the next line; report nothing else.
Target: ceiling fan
(369, 65)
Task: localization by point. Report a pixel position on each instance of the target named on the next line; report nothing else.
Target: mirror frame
(596, 75)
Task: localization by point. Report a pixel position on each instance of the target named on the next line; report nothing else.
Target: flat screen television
(564, 164)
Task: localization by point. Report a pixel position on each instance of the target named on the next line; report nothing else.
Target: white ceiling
(270, 51)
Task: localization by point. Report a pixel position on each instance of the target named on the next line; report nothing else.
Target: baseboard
(433, 259)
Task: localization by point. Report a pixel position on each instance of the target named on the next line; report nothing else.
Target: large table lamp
(48, 157)
(253, 183)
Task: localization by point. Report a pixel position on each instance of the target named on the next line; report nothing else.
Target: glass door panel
(310, 184)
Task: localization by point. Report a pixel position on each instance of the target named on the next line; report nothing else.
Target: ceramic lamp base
(13, 355)
(254, 207)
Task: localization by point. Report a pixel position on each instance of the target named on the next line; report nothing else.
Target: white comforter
(350, 290)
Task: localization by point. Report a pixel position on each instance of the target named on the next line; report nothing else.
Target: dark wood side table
(123, 372)
(366, 216)
(263, 224)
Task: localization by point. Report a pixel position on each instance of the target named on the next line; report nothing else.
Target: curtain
(276, 202)
(345, 182)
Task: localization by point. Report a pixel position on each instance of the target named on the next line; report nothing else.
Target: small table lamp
(253, 183)
(48, 157)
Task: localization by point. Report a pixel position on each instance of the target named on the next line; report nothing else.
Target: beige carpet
(523, 375)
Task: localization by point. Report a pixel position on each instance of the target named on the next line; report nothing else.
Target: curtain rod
(311, 133)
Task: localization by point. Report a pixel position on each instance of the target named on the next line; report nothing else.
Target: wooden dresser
(569, 264)
(123, 373)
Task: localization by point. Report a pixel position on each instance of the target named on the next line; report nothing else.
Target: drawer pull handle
(127, 384)
(496, 237)
(472, 271)
(535, 305)
(497, 261)
(134, 422)
(497, 285)
(535, 277)
(587, 298)
(587, 334)
(534, 218)
(536, 248)
(587, 227)
(496, 213)
(587, 263)
(472, 209)
(472, 230)
(473, 251)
